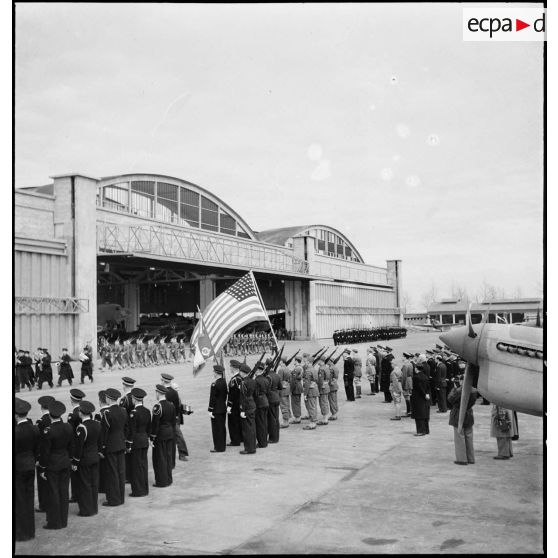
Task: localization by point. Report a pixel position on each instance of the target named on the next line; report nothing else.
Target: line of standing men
(92, 453)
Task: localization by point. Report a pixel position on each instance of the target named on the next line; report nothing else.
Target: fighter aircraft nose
(459, 341)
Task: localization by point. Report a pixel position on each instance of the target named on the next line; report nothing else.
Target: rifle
(319, 356)
(256, 365)
(338, 357)
(329, 357)
(317, 352)
(292, 358)
(278, 359)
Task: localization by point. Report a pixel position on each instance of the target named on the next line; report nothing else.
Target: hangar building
(154, 243)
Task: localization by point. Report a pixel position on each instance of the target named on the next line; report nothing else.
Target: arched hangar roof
(282, 235)
(187, 195)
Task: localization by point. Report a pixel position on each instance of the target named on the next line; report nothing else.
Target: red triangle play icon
(519, 25)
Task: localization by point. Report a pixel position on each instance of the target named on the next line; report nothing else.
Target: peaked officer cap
(112, 393)
(127, 381)
(45, 401)
(22, 407)
(86, 407)
(57, 409)
(77, 394)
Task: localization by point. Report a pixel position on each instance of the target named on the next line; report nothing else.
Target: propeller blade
(465, 394)
(472, 333)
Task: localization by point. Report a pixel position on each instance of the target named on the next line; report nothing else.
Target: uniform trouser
(249, 431)
(58, 498)
(463, 443)
(273, 424)
(332, 398)
(102, 475)
(295, 404)
(235, 427)
(261, 426)
(62, 378)
(504, 447)
(422, 426)
(408, 404)
(88, 489)
(286, 407)
(138, 472)
(41, 490)
(74, 485)
(219, 431)
(23, 378)
(350, 390)
(180, 441)
(434, 394)
(442, 403)
(375, 388)
(356, 382)
(42, 378)
(24, 505)
(163, 451)
(324, 405)
(127, 467)
(86, 372)
(387, 395)
(115, 481)
(312, 407)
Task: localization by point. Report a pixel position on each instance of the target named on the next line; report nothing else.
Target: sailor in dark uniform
(174, 398)
(85, 460)
(74, 419)
(45, 370)
(113, 428)
(26, 440)
(127, 403)
(218, 409)
(247, 410)
(233, 405)
(65, 372)
(103, 406)
(54, 460)
(138, 436)
(42, 423)
(261, 397)
(163, 423)
(348, 375)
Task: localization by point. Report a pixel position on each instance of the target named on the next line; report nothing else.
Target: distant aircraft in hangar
(505, 360)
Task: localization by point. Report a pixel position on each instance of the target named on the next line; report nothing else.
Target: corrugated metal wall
(42, 275)
(351, 306)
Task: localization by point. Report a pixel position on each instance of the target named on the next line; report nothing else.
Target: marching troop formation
(36, 371)
(141, 351)
(249, 343)
(350, 336)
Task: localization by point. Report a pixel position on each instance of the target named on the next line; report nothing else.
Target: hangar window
(167, 202)
(190, 215)
(209, 215)
(227, 224)
(167, 191)
(143, 198)
(340, 250)
(321, 245)
(189, 197)
(348, 252)
(116, 196)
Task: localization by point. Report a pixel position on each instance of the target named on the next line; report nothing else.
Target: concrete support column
(75, 222)
(132, 303)
(312, 309)
(395, 279)
(207, 292)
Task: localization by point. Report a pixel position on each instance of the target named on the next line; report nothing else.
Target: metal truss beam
(49, 305)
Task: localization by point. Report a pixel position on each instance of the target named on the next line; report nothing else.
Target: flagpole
(265, 310)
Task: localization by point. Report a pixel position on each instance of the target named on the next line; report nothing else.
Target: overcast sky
(375, 119)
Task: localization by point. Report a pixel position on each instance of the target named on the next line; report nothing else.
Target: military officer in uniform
(45, 373)
(218, 409)
(285, 404)
(163, 424)
(273, 422)
(26, 449)
(42, 423)
(261, 397)
(324, 376)
(348, 375)
(311, 394)
(333, 389)
(296, 390)
(85, 460)
(357, 373)
(233, 405)
(174, 398)
(139, 430)
(113, 430)
(127, 403)
(74, 419)
(65, 372)
(86, 358)
(103, 406)
(247, 410)
(54, 460)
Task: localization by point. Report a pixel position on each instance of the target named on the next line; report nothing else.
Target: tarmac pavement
(362, 484)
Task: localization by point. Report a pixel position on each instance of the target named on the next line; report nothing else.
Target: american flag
(237, 306)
